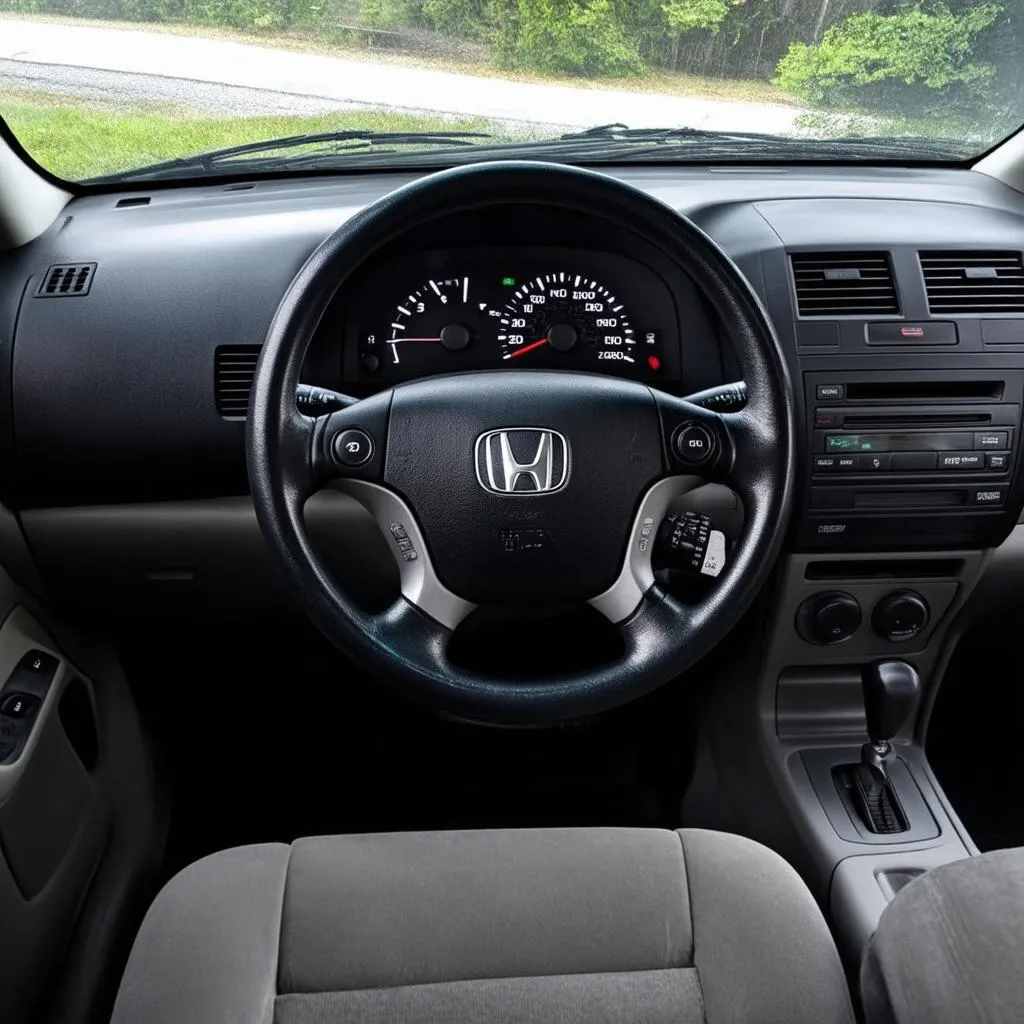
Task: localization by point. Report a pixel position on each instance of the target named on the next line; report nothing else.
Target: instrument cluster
(471, 309)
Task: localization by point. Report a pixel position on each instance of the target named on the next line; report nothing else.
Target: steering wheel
(456, 470)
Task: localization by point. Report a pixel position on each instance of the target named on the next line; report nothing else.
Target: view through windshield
(182, 88)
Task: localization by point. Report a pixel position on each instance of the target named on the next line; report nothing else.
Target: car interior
(520, 591)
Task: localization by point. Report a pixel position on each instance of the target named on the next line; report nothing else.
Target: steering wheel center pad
(499, 533)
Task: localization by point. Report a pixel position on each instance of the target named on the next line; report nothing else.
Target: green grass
(75, 140)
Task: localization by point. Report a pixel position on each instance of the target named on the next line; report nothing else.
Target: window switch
(19, 705)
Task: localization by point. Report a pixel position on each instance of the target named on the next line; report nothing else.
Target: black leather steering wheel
(437, 477)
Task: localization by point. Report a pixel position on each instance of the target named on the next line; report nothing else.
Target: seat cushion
(948, 947)
(535, 925)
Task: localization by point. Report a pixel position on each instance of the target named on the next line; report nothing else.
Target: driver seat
(589, 925)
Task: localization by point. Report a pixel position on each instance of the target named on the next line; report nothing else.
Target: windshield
(116, 89)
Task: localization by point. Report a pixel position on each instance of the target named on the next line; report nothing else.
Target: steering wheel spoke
(419, 581)
(622, 599)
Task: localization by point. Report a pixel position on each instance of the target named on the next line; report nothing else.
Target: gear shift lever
(891, 689)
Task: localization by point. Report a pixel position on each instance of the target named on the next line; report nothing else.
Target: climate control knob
(900, 616)
(828, 618)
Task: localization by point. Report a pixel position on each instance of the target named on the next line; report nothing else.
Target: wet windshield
(188, 88)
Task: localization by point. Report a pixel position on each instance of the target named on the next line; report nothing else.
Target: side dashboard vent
(67, 279)
(843, 283)
(234, 367)
(973, 282)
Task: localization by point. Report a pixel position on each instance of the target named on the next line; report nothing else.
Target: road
(214, 73)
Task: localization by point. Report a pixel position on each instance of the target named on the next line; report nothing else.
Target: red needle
(526, 348)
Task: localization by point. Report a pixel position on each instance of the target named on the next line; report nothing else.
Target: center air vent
(973, 282)
(233, 371)
(843, 283)
(67, 279)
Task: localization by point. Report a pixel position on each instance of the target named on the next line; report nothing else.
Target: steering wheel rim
(287, 453)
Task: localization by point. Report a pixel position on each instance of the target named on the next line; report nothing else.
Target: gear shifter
(891, 689)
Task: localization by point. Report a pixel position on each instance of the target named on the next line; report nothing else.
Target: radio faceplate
(910, 459)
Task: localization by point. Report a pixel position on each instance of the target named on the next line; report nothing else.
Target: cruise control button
(997, 460)
(961, 460)
(694, 443)
(992, 439)
(353, 447)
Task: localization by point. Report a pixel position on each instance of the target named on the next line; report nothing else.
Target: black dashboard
(898, 295)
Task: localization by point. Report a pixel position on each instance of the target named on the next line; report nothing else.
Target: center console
(910, 459)
(908, 492)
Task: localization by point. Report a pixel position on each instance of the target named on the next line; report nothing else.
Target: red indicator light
(654, 363)
(912, 332)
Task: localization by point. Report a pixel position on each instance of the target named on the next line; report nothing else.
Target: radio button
(877, 463)
(826, 463)
(987, 495)
(912, 462)
(961, 460)
(998, 460)
(991, 439)
(847, 463)
(830, 392)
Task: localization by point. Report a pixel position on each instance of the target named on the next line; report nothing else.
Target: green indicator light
(509, 281)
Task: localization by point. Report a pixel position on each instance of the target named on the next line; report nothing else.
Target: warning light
(509, 282)
(654, 363)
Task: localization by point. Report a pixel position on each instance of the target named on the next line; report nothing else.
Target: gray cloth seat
(539, 925)
(949, 947)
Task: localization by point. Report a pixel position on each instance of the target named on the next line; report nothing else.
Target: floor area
(267, 734)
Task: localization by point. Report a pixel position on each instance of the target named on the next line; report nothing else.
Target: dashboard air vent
(973, 282)
(233, 370)
(843, 283)
(67, 279)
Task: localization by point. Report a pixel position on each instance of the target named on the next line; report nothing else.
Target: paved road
(252, 74)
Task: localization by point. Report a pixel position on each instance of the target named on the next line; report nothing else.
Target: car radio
(910, 459)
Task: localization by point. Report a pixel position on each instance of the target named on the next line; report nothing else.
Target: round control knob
(828, 618)
(900, 616)
(694, 443)
(353, 447)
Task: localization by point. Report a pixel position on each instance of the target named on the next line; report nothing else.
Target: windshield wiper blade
(320, 145)
(684, 133)
(854, 145)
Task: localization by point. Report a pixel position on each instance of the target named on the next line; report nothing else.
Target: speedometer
(567, 319)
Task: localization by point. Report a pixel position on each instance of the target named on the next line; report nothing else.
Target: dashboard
(123, 447)
(450, 310)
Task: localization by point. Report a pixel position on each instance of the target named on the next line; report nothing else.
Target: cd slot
(879, 420)
(909, 499)
(925, 391)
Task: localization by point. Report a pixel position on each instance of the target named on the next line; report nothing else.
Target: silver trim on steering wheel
(419, 582)
(623, 597)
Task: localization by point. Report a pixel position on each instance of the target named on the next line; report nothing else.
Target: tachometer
(566, 319)
(439, 317)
